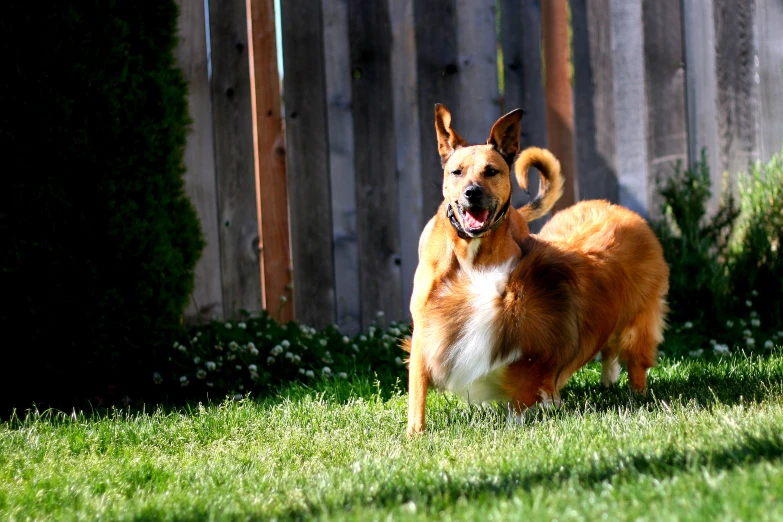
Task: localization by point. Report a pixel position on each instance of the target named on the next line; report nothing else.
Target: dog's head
(477, 178)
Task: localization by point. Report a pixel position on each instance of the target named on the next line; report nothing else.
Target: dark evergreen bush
(99, 241)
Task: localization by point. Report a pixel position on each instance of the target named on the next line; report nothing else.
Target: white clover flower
(194, 340)
(355, 348)
(254, 376)
(183, 381)
(371, 331)
(252, 367)
(395, 331)
(346, 340)
(182, 348)
(713, 342)
(254, 351)
(729, 324)
(326, 370)
(754, 293)
(210, 365)
(238, 366)
(750, 341)
(688, 325)
(283, 299)
(755, 323)
(210, 384)
(277, 350)
(302, 371)
(238, 397)
(201, 374)
(241, 325)
(721, 349)
(297, 359)
(270, 360)
(323, 342)
(285, 343)
(157, 378)
(233, 346)
(754, 313)
(230, 357)
(363, 338)
(379, 314)
(768, 345)
(661, 354)
(196, 360)
(303, 328)
(743, 323)
(309, 373)
(289, 355)
(241, 387)
(342, 375)
(398, 361)
(198, 334)
(176, 344)
(250, 346)
(696, 353)
(748, 303)
(228, 326)
(747, 333)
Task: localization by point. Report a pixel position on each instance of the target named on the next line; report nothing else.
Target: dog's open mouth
(474, 219)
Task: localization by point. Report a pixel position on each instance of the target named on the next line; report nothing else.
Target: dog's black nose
(473, 193)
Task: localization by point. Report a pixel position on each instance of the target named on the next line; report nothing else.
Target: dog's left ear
(504, 135)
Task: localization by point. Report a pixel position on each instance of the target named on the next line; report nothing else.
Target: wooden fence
(323, 224)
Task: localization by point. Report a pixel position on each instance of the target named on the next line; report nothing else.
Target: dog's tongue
(476, 217)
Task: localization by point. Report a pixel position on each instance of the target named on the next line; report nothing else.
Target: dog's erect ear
(448, 139)
(504, 135)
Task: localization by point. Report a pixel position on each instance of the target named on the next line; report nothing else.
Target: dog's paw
(610, 372)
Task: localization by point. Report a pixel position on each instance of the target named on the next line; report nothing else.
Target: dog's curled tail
(551, 186)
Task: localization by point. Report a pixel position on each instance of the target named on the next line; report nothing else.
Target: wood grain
(200, 185)
(307, 162)
(374, 161)
(769, 68)
(234, 157)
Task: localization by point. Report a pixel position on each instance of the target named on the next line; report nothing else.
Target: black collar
(466, 235)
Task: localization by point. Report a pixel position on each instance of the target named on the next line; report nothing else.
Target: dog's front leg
(418, 383)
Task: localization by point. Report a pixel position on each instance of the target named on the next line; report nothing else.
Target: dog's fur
(500, 314)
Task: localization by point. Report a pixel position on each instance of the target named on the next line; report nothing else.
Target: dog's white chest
(471, 359)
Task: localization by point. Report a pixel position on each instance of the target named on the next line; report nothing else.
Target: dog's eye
(490, 172)
(456, 172)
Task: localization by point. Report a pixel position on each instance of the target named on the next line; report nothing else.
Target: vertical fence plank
(338, 94)
(307, 162)
(701, 87)
(406, 120)
(559, 95)
(437, 72)
(594, 107)
(270, 156)
(667, 133)
(769, 16)
(628, 66)
(234, 157)
(737, 110)
(375, 160)
(207, 298)
(477, 49)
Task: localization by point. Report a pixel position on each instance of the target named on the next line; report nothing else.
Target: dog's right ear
(448, 139)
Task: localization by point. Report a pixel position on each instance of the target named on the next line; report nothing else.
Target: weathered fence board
(337, 63)
(594, 105)
(520, 35)
(307, 162)
(437, 68)
(667, 133)
(375, 155)
(270, 156)
(407, 130)
(769, 16)
(234, 157)
(207, 298)
(559, 96)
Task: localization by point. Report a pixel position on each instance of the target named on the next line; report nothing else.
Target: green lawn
(705, 445)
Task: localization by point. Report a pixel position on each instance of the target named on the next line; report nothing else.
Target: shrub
(99, 239)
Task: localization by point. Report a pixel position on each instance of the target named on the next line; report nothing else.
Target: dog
(503, 315)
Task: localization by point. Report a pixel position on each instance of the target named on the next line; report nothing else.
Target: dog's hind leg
(639, 345)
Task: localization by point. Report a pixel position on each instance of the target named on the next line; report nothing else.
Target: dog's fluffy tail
(551, 187)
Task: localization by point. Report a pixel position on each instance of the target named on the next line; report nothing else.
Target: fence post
(234, 157)
(272, 192)
(307, 162)
(769, 16)
(191, 53)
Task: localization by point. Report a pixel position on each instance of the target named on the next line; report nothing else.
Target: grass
(705, 444)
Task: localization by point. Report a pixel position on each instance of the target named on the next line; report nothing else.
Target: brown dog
(500, 314)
